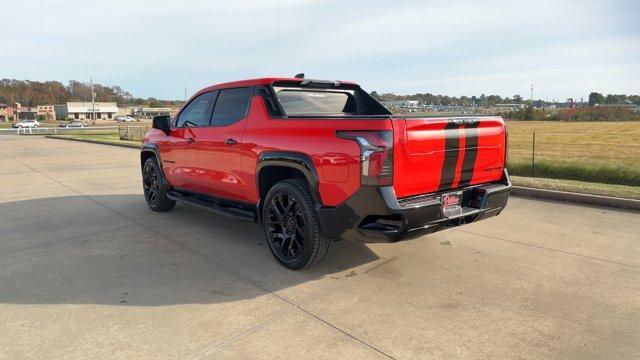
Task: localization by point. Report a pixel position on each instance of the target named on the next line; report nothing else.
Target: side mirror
(162, 123)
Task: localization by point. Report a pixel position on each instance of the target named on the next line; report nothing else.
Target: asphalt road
(87, 271)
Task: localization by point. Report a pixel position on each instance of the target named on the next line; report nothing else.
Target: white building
(83, 110)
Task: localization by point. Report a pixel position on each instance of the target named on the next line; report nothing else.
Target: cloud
(154, 48)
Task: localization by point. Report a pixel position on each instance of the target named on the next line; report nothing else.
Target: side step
(214, 205)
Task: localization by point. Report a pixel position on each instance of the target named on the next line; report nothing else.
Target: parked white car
(125, 118)
(75, 124)
(27, 124)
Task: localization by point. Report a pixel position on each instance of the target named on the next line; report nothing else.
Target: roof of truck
(260, 81)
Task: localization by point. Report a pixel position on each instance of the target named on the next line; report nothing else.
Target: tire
(291, 225)
(155, 192)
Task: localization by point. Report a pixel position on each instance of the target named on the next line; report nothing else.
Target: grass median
(107, 139)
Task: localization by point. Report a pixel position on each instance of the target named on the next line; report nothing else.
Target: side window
(231, 106)
(196, 113)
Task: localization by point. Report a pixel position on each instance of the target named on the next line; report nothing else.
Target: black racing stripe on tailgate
(451, 155)
(470, 153)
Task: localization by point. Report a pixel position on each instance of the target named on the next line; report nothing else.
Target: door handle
(230, 141)
(189, 140)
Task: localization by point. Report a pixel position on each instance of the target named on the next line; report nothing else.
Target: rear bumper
(375, 214)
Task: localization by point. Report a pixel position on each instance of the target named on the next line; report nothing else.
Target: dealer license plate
(451, 204)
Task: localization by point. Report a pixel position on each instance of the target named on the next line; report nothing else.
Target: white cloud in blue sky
(155, 48)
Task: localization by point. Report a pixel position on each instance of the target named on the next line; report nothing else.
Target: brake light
(376, 155)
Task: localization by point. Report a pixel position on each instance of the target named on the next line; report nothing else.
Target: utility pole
(93, 102)
(531, 94)
(185, 93)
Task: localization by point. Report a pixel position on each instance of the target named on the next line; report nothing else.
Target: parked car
(26, 124)
(124, 118)
(74, 124)
(315, 161)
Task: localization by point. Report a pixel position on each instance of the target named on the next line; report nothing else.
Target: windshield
(297, 101)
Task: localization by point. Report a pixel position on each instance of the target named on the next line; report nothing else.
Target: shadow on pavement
(111, 249)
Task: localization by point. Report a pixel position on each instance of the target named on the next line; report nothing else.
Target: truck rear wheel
(155, 192)
(291, 225)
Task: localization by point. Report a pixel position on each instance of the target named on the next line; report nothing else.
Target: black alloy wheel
(151, 185)
(154, 190)
(291, 227)
(286, 227)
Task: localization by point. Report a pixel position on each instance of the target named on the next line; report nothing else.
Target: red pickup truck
(313, 161)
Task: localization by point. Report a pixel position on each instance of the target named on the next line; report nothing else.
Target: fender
(153, 148)
(295, 160)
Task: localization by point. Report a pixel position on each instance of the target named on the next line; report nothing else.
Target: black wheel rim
(151, 184)
(286, 227)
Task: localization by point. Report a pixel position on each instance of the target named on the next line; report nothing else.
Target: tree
(595, 98)
(517, 99)
(528, 113)
(375, 95)
(612, 99)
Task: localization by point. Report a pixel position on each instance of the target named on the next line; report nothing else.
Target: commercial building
(6, 112)
(84, 110)
(47, 112)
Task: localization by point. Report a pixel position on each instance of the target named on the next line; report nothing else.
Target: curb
(578, 198)
(130, 146)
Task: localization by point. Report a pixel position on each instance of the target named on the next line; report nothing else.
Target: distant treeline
(490, 100)
(33, 93)
(600, 113)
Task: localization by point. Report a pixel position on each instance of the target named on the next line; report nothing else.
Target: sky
(156, 48)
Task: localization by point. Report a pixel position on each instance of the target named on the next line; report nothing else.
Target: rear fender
(294, 160)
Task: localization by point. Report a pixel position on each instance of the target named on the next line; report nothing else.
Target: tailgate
(439, 154)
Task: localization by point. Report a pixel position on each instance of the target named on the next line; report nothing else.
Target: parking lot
(87, 271)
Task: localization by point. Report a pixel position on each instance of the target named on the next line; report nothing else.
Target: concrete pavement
(87, 271)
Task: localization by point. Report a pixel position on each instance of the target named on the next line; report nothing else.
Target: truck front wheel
(291, 225)
(155, 192)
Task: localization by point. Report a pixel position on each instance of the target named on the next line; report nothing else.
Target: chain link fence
(612, 158)
(131, 132)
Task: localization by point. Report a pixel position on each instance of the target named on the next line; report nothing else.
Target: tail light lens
(376, 155)
(506, 147)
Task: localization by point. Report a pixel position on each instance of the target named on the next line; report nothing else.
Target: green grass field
(604, 152)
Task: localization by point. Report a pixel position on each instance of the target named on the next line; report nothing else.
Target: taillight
(506, 147)
(376, 155)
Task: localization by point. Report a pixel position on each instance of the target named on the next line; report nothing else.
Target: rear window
(316, 101)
